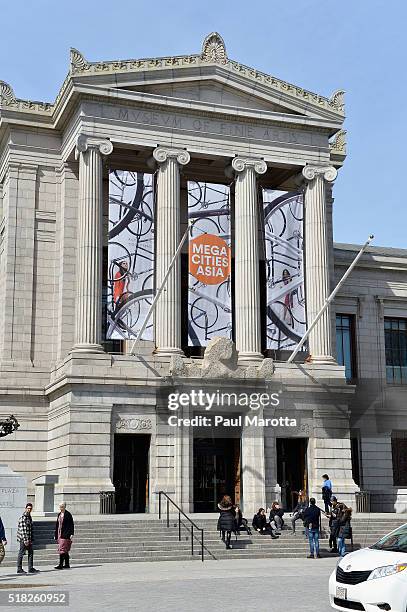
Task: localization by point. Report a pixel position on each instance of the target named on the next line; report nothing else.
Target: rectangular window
(399, 454)
(395, 338)
(345, 344)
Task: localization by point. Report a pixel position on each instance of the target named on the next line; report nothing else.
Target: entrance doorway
(292, 474)
(216, 472)
(130, 472)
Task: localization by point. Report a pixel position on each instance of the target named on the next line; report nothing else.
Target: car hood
(369, 558)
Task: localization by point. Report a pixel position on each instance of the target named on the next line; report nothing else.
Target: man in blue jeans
(312, 521)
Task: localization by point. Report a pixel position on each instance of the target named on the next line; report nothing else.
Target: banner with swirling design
(209, 262)
(130, 272)
(283, 223)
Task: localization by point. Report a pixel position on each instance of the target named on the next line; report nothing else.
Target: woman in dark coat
(345, 530)
(64, 530)
(261, 525)
(226, 521)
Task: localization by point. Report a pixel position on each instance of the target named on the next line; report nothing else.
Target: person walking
(3, 540)
(261, 525)
(226, 521)
(25, 536)
(298, 512)
(276, 517)
(312, 521)
(64, 531)
(326, 492)
(345, 530)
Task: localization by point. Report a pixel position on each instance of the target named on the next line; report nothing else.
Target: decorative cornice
(337, 100)
(213, 52)
(329, 173)
(239, 164)
(9, 100)
(338, 143)
(78, 62)
(213, 49)
(7, 97)
(84, 142)
(161, 154)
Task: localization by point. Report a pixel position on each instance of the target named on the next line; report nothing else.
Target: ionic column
(317, 260)
(247, 285)
(167, 322)
(89, 245)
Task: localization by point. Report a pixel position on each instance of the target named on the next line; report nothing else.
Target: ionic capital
(85, 142)
(239, 164)
(328, 173)
(161, 154)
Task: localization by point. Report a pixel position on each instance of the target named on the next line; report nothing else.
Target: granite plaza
(92, 415)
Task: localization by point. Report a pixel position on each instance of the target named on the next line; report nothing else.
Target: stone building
(93, 416)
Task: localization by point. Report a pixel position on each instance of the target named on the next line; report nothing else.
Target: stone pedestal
(317, 261)
(89, 246)
(44, 495)
(167, 321)
(247, 283)
(13, 498)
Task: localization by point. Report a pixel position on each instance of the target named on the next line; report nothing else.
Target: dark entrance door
(130, 472)
(291, 469)
(216, 472)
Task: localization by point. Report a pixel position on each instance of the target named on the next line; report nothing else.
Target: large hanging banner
(209, 290)
(130, 254)
(283, 222)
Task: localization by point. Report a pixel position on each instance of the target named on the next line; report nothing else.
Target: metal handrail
(193, 525)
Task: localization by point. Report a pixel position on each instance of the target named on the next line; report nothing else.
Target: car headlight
(387, 570)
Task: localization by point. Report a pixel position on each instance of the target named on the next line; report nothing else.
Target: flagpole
(329, 299)
(160, 290)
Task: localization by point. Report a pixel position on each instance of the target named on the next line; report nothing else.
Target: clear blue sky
(322, 45)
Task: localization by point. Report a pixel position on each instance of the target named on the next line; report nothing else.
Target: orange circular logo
(209, 259)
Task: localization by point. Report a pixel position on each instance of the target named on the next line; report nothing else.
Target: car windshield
(396, 541)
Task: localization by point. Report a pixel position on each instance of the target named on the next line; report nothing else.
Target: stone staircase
(114, 541)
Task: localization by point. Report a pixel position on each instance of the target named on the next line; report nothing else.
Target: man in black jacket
(64, 530)
(312, 521)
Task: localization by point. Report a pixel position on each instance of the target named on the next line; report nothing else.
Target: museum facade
(100, 195)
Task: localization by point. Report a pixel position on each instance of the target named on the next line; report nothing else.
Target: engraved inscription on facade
(226, 127)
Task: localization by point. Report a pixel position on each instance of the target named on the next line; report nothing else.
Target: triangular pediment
(209, 79)
(207, 90)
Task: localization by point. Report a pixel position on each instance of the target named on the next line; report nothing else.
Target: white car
(373, 578)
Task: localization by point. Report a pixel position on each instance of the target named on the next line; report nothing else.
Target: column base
(250, 356)
(322, 359)
(168, 351)
(87, 348)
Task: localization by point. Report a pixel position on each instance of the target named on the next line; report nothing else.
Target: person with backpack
(345, 530)
(226, 521)
(312, 522)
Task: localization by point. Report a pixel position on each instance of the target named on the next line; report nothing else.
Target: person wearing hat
(334, 516)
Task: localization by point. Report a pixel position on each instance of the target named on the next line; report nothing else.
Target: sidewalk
(272, 585)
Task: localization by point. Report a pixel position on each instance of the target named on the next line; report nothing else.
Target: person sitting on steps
(276, 517)
(261, 525)
(298, 512)
(241, 522)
